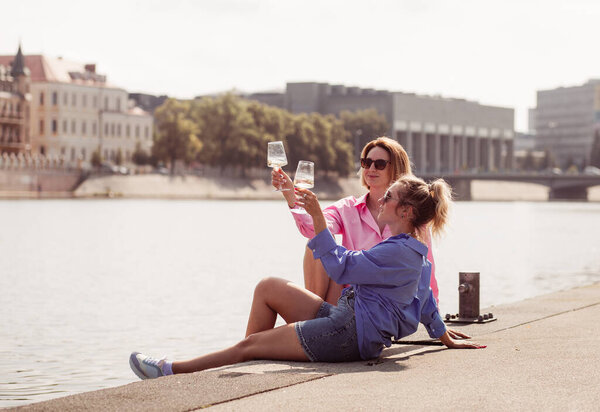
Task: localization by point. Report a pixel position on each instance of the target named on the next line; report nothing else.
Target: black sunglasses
(380, 164)
(388, 196)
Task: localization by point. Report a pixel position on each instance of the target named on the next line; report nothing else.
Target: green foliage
(230, 132)
(176, 134)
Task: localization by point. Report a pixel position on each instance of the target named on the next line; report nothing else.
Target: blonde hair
(430, 202)
(400, 163)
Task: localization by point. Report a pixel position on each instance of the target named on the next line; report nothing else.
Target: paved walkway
(542, 354)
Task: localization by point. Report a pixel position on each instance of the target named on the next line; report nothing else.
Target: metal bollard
(468, 301)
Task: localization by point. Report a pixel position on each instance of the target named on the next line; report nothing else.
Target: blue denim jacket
(391, 283)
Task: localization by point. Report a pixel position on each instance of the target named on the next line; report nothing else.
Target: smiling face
(372, 176)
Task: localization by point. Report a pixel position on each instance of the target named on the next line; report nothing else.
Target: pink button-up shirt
(351, 218)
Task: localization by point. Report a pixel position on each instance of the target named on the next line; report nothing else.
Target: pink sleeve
(433, 282)
(332, 215)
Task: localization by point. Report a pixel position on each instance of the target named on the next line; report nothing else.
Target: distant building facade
(14, 105)
(566, 119)
(74, 111)
(441, 135)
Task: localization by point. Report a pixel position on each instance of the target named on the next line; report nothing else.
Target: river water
(85, 282)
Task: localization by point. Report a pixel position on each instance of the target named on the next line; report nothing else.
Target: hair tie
(431, 192)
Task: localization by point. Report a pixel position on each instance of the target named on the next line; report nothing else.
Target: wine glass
(276, 158)
(304, 178)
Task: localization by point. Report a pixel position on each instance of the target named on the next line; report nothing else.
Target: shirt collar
(413, 243)
(361, 201)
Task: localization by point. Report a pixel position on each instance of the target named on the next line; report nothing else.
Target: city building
(441, 135)
(74, 112)
(14, 105)
(565, 122)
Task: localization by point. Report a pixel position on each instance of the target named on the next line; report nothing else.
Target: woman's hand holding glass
(280, 179)
(309, 202)
(276, 158)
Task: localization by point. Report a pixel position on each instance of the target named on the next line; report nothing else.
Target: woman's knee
(267, 285)
(245, 349)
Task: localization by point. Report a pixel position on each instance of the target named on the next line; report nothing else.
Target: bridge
(562, 187)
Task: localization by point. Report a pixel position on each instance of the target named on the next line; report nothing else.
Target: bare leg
(317, 281)
(278, 344)
(274, 296)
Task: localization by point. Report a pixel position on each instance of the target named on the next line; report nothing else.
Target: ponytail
(441, 195)
(430, 202)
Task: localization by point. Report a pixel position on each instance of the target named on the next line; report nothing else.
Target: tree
(96, 159)
(119, 158)
(229, 134)
(139, 156)
(364, 126)
(176, 135)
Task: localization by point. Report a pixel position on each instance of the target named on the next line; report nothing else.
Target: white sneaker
(146, 367)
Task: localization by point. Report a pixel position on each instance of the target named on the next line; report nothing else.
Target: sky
(496, 52)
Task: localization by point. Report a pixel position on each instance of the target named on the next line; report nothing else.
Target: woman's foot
(146, 367)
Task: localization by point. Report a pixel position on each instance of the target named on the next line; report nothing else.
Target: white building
(75, 112)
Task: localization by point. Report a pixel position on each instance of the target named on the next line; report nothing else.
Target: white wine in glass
(304, 178)
(276, 157)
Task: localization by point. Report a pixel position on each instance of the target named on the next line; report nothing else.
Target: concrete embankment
(542, 354)
(155, 186)
(158, 186)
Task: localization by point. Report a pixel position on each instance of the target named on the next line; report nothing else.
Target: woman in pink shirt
(383, 161)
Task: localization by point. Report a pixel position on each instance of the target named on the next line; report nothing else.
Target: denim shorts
(331, 335)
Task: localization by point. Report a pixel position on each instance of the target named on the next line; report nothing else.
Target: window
(105, 130)
(83, 127)
(112, 129)
(119, 130)
(146, 132)
(41, 98)
(65, 99)
(65, 126)
(72, 153)
(73, 127)
(84, 100)
(74, 100)
(83, 153)
(118, 105)
(94, 102)
(127, 131)
(93, 128)
(54, 98)
(137, 131)
(106, 103)
(41, 127)
(54, 126)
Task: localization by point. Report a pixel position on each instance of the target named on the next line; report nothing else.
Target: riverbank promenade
(542, 354)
